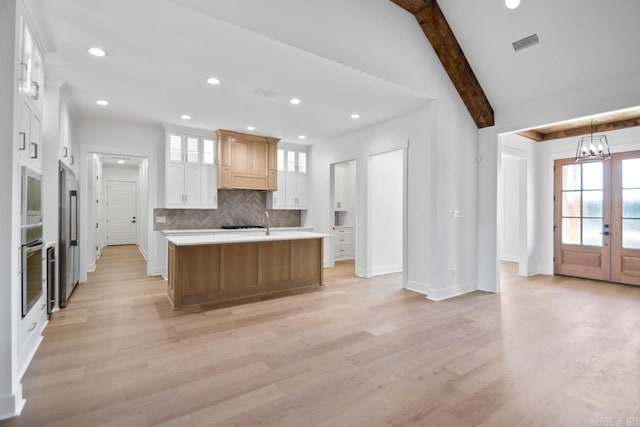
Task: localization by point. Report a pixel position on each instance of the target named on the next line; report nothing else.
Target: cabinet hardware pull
(33, 153)
(33, 326)
(35, 91)
(72, 159)
(23, 143)
(64, 152)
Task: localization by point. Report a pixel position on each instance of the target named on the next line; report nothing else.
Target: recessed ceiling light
(96, 51)
(355, 116)
(302, 137)
(185, 117)
(102, 102)
(251, 128)
(120, 162)
(512, 4)
(213, 81)
(294, 101)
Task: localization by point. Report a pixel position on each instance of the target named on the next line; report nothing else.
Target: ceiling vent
(265, 92)
(526, 42)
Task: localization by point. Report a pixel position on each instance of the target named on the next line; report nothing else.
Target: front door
(597, 218)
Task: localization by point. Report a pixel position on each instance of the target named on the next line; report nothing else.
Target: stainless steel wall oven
(31, 236)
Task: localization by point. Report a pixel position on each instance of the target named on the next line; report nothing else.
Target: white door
(121, 212)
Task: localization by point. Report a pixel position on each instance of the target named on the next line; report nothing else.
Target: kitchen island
(213, 268)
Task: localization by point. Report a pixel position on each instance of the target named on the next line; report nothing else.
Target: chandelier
(592, 148)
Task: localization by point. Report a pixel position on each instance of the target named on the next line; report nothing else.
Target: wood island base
(212, 273)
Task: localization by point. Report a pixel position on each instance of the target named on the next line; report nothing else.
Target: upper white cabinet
(31, 73)
(190, 172)
(292, 164)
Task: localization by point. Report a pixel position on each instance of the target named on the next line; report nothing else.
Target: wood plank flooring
(547, 351)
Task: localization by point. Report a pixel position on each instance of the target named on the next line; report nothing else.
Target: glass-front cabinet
(190, 172)
(292, 190)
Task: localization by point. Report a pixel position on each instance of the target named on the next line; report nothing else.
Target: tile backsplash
(235, 207)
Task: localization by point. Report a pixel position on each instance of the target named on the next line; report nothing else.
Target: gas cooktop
(240, 227)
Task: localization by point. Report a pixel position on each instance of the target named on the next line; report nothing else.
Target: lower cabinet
(191, 186)
(213, 273)
(343, 243)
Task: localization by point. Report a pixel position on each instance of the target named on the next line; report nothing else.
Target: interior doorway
(386, 212)
(597, 218)
(343, 216)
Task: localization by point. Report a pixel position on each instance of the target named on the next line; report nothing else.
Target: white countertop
(255, 236)
(223, 230)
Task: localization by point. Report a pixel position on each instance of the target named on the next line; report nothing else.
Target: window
(582, 199)
(631, 204)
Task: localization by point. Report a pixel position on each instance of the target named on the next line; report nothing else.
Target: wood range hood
(246, 161)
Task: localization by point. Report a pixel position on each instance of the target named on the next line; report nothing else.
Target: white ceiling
(338, 56)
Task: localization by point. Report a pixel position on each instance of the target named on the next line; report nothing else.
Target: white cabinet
(191, 174)
(343, 243)
(292, 190)
(29, 135)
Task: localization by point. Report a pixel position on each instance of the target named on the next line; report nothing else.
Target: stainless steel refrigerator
(69, 256)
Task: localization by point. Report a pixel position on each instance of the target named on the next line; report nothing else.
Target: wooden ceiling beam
(580, 130)
(444, 43)
(532, 134)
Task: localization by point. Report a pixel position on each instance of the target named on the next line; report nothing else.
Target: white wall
(143, 208)
(440, 256)
(510, 212)
(387, 175)
(132, 140)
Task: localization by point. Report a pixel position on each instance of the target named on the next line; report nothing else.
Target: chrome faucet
(266, 222)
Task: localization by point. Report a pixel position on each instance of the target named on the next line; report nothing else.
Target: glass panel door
(580, 245)
(597, 218)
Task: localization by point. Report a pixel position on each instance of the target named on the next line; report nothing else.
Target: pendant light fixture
(593, 148)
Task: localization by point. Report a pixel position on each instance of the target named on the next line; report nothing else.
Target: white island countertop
(256, 236)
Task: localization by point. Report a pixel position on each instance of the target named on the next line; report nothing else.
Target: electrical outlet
(456, 213)
(161, 219)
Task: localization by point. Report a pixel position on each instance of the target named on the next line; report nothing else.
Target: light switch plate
(161, 219)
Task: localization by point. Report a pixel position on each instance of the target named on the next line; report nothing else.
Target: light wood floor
(547, 351)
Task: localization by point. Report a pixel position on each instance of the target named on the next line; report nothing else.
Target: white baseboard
(510, 258)
(143, 252)
(91, 267)
(450, 292)
(377, 271)
(421, 288)
(157, 271)
(11, 404)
